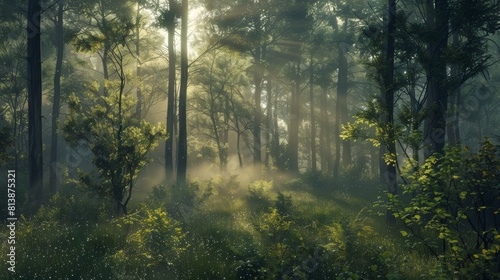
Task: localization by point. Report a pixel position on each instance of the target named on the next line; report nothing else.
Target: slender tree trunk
(293, 129)
(336, 164)
(169, 149)
(415, 123)
(322, 132)
(225, 134)
(56, 105)
(453, 125)
(104, 59)
(390, 176)
(374, 157)
(313, 119)
(238, 140)
(269, 119)
(276, 134)
(182, 152)
(138, 67)
(341, 113)
(35, 103)
(382, 166)
(218, 137)
(342, 107)
(257, 157)
(257, 80)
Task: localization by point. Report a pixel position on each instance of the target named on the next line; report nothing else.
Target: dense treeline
(130, 124)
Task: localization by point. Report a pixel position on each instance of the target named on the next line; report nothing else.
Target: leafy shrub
(318, 180)
(258, 198)
(154, 245)
(354, 255)
(180, 203)
(283, 204)
(453, 210)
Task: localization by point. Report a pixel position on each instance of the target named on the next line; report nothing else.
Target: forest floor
(301, 228)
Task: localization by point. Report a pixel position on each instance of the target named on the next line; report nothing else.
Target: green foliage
(258, 198)
(354, 255)
(318, 180)
(111, 25)
(283, 204)
(281, 155)
(118, 141)
(155, 243)
(283, 247)
(453, 209)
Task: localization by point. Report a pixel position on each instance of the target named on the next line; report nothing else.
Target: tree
(13, 86)
(299, 23)
(35, 103)
(220, 78)
(182, 152)
(118, 140)
(379, 113)
(388, 95)
(436, 69)
(252, 29)
(105, 27)
(105, 120)
(56, 104)
(169, 20)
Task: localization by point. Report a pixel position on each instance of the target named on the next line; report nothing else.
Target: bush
(452, 208)
(354, 254)
(258, 198)
(154, 245)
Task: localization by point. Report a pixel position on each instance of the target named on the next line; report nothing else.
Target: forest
(250, 139)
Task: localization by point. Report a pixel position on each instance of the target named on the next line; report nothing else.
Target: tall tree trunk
(342, 104)
(374, 157)
(453, 131)
(336, 131)
(269, 119)
(218, 136)
(257, 80)
(56, 105)
(313, 119)
(341, 113)
(323, 130)
(257, 157)
(276, 134)
(225, 134)
(35, 103)
(415, 123)
(169, 143)
(293, 129)
(389, 90)
(104, 59)
(182, 152)
(437, 94)
(138, 67)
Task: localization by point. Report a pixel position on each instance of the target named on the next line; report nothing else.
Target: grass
(327, 233)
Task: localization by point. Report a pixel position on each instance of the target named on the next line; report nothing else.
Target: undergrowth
(219, 229)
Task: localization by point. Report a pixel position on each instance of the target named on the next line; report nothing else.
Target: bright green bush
(154, 244)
